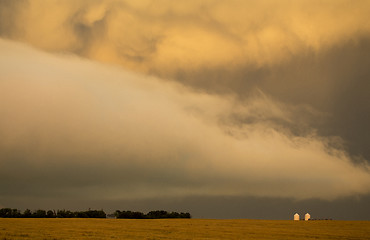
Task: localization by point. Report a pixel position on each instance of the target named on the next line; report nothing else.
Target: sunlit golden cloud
(165, 36)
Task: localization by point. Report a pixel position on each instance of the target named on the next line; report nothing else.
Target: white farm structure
(307, 217)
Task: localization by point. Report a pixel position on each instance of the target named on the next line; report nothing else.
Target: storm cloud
(78, 124)
(154, 99)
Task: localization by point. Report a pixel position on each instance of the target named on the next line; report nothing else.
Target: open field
(20, 229)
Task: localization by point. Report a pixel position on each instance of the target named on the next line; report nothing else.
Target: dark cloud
(350, 208)
(331, 88)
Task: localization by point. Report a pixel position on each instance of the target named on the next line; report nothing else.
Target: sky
(224, 109)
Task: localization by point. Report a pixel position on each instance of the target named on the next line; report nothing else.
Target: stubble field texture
(55, 229)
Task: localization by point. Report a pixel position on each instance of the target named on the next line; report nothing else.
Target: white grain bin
(307, 216)
(296, 217)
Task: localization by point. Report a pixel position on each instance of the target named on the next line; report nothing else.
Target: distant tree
(27, 213)
(129, 215)
(91, 214)
(150, 215)
(96, 214)
(65, 214)
(61, 213)
(174, 215)
(16, 213)
(69, 214)
(50, 214)
(117, 213)
(6, 212)
(12, 213)
(81, 215)
(158, 214)
(39, 214)
(185, 215)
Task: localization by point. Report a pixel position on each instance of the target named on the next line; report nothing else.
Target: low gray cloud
(76, 128)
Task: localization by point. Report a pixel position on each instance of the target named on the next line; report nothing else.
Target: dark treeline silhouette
(150, 215)
(15, 213)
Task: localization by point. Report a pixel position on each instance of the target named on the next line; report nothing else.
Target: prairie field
(55, 229)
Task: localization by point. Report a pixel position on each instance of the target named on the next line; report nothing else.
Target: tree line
(150, 215)
(15, 213)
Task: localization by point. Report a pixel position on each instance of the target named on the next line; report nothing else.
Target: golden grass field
(19, 229)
